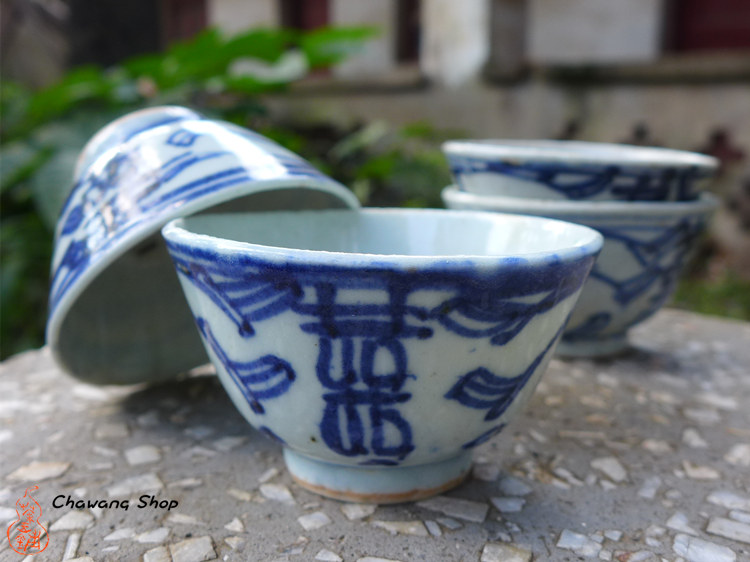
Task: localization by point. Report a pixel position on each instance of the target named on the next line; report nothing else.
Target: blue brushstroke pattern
(484, 437)
(93, 218)
(361, 416)
(624, 183)
(483, 390)
(260, 379)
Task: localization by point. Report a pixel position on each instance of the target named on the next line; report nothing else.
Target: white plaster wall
(234, 16)
(527, 111)
(507, 36)
(594, 31)
(679, 116)
(455, 40)
(378, 54)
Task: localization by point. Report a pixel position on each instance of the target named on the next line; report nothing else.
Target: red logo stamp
(26, 535)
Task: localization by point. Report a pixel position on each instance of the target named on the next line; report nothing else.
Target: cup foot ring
(379, 485)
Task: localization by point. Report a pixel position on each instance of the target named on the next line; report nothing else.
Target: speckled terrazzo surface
(646, 457)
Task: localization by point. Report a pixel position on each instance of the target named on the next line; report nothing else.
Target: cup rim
(171, 114)
(579, 152)
(452, 194)
(590, 242)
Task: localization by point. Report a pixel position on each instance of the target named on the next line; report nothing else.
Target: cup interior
(386, 232)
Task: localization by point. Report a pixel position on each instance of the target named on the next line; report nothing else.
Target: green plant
(383, 165)
(727, 295)
(42, 133)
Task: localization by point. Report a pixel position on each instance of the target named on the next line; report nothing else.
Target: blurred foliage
(384, 167)
(728, 295)
(42, 133)
(195, 72)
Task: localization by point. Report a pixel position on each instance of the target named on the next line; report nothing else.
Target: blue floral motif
(661, 253)
(262, 379)
(587, 181)
(128, 190)
(361, 416)
(482, 390)
(74, 261)
(183, 138)
(662, 257)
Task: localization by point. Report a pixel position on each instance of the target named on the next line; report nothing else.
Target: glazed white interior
(391, 232)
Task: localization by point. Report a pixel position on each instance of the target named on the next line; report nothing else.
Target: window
(304, 14)
(183, 19)
(709, 25)
(407, 31)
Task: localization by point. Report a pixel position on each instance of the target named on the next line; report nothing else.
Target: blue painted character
(356, 390)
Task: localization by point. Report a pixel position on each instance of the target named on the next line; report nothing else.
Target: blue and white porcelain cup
(577, 171)
(380, 346)
(124, 128)
(646, 246)
(117, 314)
